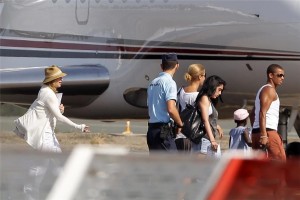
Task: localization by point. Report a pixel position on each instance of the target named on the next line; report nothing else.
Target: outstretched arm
(51, 103)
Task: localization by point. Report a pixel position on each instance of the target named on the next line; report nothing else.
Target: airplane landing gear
(282, 124)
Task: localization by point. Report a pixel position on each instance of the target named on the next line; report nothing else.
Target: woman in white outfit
(37, 126)
(195, 77)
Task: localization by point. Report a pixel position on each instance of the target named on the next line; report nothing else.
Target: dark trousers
(184, 145)
(155, 143)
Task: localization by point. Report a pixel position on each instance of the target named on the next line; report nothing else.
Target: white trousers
(50, 142)
(37, 173)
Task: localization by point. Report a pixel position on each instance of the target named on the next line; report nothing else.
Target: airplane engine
(136, 97)
(82, 85)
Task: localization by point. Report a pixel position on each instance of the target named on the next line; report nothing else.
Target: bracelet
(264, 136)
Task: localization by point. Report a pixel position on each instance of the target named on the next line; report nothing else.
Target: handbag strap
(178, 97)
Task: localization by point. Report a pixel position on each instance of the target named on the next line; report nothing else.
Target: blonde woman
(38, 124)
(37, 127)
(195, 77)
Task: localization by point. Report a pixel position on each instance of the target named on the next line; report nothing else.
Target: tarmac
(117, 126)
(103, 172)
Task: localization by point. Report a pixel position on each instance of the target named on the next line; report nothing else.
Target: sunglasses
(280, 75)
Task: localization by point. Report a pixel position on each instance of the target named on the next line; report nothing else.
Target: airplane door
(82, 11)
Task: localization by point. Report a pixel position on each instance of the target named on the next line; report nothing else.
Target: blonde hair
(194, 71)
(50, 85)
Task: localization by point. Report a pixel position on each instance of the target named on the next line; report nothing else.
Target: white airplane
(111, 49)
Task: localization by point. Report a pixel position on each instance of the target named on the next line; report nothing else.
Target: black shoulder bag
(193, 124)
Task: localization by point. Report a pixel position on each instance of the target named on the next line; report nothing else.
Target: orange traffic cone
(127, 129)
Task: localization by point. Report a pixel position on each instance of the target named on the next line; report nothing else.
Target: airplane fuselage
(121, 43)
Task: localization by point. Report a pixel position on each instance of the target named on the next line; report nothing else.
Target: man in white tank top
(265, 116)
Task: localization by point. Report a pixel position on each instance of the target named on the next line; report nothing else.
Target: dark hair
(166, 65)
(209, 87)
(293, 149)
(241, 121)
(272, 68)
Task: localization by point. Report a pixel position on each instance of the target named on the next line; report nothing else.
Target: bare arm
(173, 112)
(220, 130)
(247, 138)
(266, 97)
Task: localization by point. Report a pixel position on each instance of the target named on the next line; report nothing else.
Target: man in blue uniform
(162, 97)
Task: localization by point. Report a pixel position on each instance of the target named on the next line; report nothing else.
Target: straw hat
(52, 73)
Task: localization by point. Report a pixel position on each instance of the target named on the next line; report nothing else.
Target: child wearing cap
(239, 136)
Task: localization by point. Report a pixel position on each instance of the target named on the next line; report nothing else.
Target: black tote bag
(193, 125)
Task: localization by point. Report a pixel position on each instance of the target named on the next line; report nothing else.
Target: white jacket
(43, 113)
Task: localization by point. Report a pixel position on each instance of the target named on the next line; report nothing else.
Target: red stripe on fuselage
(130, 49)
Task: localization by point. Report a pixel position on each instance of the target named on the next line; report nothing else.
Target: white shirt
(186, 98)
(189, 98)
(272, 115)
(41, 116)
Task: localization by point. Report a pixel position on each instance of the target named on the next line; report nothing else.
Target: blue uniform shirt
(160, 90)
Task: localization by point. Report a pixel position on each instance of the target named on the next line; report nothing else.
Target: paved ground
(107, 175)
(103, 132)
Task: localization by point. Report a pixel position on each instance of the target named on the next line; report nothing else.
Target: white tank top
(272, 115)
(186, 98)
(189, 98)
